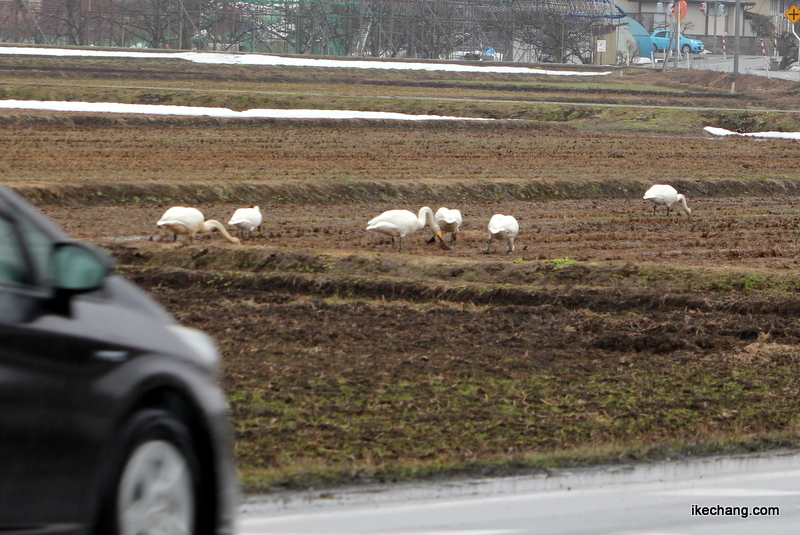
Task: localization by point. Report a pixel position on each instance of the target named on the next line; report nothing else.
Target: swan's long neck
(682, 200)
(212, 224)
(425, 217)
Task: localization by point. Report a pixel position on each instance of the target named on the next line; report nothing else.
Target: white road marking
(728, 493)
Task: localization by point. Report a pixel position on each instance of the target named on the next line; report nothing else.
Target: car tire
(154, 484)
(686, 49)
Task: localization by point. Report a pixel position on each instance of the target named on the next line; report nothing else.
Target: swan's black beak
(442, 244)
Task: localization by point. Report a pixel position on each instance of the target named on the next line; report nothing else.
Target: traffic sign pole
(793, 14)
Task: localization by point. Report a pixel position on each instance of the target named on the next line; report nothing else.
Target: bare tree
(18, 23)
(62, 21)
(150, 21)
(525, 30)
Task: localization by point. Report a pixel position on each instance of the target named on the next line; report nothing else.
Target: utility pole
(736, 28)
(676, 36)
(88, 23)
(716, 15)
(672, 15)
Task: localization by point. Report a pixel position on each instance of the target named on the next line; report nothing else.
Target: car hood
(138, 322)
(123, 292)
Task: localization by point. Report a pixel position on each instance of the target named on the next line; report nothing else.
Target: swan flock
(397, 224)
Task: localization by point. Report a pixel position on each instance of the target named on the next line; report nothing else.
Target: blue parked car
(661, 41)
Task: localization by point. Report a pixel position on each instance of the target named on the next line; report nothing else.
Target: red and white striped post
(766, 61)
(724, 54)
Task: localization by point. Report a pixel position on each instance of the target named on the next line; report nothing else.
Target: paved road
(754, 65)
(734, 496)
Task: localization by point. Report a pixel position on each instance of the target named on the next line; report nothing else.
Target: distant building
(719, 20)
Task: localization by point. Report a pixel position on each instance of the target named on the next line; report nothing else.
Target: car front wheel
(155, 492)
(155, 485)
(686, 49)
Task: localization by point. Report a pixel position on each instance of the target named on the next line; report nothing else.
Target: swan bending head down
(189, 221)
(401, 223)
(665, 195)
(449, 221)
(503, 228)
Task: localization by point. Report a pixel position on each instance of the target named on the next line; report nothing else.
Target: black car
(111, 418)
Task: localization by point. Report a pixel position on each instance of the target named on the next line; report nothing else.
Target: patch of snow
(274, 60)
(155, 109)
(775, 135)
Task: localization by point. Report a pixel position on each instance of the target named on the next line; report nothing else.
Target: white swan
(189, 221)
(449, 221)
(401, 223)
(246, 219)
(504, 228)
(662, 194)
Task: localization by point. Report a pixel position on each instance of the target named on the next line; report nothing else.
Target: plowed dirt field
(609, 333)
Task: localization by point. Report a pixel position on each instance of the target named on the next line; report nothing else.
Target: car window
(13, 267)
(40, 249)
(661, 34)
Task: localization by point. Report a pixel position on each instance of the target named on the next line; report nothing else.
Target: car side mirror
(78, 268)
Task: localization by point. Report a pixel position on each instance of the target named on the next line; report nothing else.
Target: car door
(51, 421)
(657, 39)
